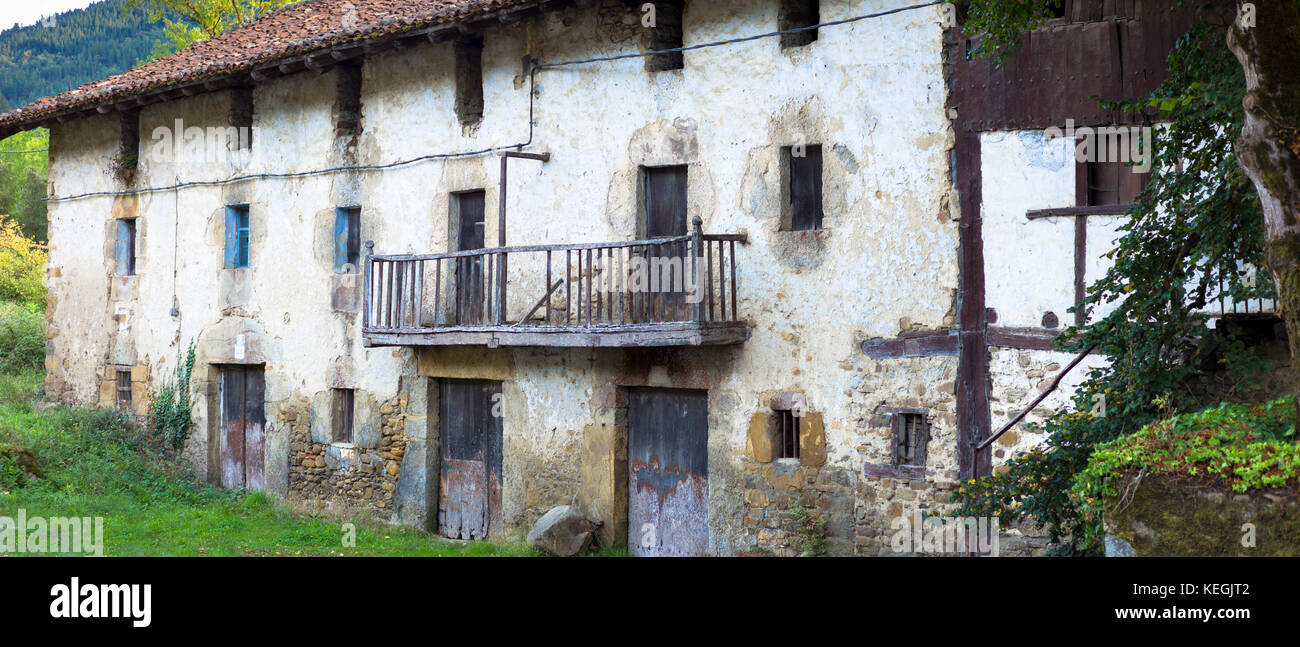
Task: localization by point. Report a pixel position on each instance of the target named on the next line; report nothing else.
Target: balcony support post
(697, 243)
(367, 264)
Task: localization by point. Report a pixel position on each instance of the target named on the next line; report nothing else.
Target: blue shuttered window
(347, 239)
(126, 247)
(237, 236)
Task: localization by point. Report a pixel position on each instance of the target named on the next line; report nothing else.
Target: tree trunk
(1268, 148)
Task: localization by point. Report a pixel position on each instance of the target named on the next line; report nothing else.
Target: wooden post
(501, 242)
(697, 241)
(367, 263)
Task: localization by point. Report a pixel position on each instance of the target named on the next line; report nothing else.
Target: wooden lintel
(1102, 210)
(888, 471)
(928, 343)
(1022, 338)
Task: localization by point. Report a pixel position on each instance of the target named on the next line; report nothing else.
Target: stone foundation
(1173, 517)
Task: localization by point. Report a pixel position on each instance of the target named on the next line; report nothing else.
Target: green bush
(1245, 447)
(22, 266)
(22, 337)
(170, 415)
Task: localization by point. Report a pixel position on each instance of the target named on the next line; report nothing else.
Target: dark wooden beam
(926, 343)
(686, 334)
(1022, 338)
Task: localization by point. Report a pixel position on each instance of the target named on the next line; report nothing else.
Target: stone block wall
(773, 490)
(344, 477)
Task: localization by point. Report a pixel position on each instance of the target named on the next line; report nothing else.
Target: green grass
(97, 464)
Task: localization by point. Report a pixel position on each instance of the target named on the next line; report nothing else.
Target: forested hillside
(75, 47)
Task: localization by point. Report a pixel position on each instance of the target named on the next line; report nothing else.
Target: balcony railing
(672, 291)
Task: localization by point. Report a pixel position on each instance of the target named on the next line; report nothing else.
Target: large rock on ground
(562, 531)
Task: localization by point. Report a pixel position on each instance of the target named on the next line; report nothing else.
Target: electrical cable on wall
(532, 82)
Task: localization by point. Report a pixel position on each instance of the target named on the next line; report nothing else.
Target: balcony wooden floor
(627, 336)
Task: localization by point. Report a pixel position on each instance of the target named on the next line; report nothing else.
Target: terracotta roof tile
(291, 30)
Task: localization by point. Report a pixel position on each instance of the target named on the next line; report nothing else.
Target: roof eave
(320, 59)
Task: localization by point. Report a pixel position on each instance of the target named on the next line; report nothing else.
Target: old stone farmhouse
(456, 262)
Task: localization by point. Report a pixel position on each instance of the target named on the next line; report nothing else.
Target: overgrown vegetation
(1196, 226)
(1245, 447)
(169, 415)
(22, 337)
(98, 463)
(811, 529)
(22, 266)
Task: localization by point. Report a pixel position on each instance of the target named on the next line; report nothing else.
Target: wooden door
(668, 472)
(242, 441)
(469, 483)
(469, 271)
(665, 212)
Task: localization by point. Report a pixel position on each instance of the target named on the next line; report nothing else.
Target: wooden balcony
(674, 291)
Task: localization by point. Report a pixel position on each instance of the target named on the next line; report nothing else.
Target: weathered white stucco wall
(1029, 264)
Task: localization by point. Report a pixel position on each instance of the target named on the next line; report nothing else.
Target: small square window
(798, 14)
(238, 235)
(666, 35)
(124, 388)
(911, 434)
(788, 433)
(343, 410)
(1112, 183)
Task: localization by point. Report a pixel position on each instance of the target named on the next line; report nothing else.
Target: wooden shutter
(343, 415)
(232, 237)
(469, 270)
(665, 201)
(245, 234)
(806, 190)
(347, 239)
(1103, 183)
(125, 247)
(124, 388)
